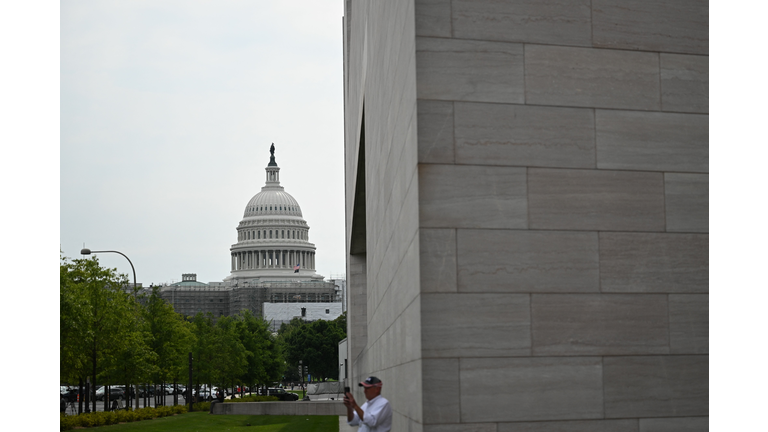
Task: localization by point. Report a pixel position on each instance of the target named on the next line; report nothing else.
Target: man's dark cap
(371, 381)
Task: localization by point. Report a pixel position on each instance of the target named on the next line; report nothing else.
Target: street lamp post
(88, 252)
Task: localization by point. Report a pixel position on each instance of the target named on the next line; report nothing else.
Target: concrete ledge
(282, 408)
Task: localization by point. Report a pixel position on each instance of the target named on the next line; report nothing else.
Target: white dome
(271, 201)
(273, 237)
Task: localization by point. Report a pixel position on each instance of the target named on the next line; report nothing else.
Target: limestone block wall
(382, 203)
(563, 214)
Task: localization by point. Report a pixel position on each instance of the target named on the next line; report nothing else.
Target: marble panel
(435, 125)
(599, 324)
(687, 202)
(652, 141)
(555, 22)
(689, 323)
(572, 426)
(680, 26)
(654, 262)
(527, 261)
(679, 424)
(587, 77)
(521, 135)
(595, 200)
(433, 18)
(460, 325)
(463, 196)
(437, 255)
(441, 398)
(463, 427)
(656, 386)
(452, 69)
(684, 83)
(531, 389)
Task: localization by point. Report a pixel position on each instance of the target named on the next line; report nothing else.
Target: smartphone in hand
(346, 390)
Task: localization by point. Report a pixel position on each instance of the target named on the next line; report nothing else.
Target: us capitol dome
(273, 237)
(272, 266)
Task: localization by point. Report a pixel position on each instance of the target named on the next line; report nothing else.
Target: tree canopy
(316, 343)
(113, 336)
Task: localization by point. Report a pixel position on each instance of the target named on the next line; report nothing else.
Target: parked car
(204, 394)
(114, 393)
(282, 394)
(130, 390)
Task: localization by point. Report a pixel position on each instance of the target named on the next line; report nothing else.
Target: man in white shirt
(375, 415)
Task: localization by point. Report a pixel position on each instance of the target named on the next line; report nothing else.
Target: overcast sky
(168, 109)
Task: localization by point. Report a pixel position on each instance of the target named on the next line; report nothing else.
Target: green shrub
(113, 417)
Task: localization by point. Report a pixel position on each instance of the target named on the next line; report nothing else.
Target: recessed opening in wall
(358, 277)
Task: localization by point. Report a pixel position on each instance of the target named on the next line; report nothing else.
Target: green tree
(97, 318)
(170, 338)
(316, 344)
(230, 356)
(264, 359)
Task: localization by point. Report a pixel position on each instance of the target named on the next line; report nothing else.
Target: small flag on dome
(296, 268)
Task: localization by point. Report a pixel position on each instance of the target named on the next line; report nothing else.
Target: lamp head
(85, 251)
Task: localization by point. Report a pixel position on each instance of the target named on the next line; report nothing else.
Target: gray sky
(168, 109)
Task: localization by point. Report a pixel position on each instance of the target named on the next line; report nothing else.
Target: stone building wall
(562, 211)
(382, 203)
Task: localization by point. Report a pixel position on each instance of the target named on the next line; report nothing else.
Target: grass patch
(204, 422)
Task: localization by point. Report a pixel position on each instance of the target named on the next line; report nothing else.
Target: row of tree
(112, 336)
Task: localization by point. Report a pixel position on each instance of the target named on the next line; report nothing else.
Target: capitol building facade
(272, 272)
